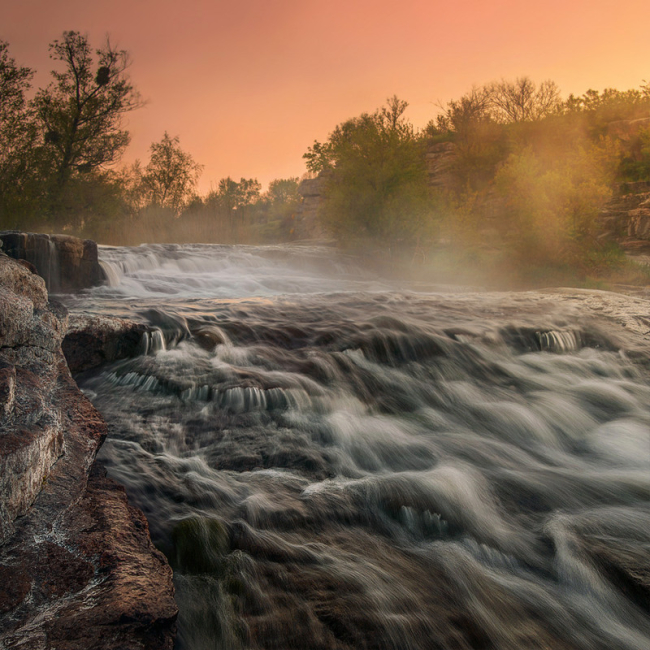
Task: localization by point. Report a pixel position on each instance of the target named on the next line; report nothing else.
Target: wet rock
(93, 340)
(77, 566)
(209, 337)
(66, 263)
(93, 581)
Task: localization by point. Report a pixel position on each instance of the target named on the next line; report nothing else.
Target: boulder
(93, 340)
(66, 263)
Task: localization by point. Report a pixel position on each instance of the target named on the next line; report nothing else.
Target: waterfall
(45, 257)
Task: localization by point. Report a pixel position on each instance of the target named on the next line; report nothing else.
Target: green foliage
(376, 186)
(280, 202)
(482, 122)
(477, 136)
(170, 177)
(610, 105)
(522, 184)
(17, 136)
(234, 205)
(79, 114)
(282, 192)
(232, 195)
(635, 163)
(552, 205)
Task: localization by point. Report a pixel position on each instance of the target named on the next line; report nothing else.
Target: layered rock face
(306, 218)
(65, 263)
(639, 216)
(77, 566)
(440, 159)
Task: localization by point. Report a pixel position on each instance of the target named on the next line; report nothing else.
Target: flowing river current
(332, 461)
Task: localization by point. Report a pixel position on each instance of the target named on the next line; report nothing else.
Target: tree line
(509, 176)
(59, 152)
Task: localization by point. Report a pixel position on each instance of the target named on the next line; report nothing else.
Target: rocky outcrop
(440, 159)
(91, 341)
(306, 221)
(639, 219)
(31, 437)
(77, 566)
(615, 217)
(67, 264)
(626, 217)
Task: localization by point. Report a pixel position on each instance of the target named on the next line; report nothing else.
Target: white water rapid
(332, 462)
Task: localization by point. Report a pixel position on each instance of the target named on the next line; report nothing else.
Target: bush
(552, 205)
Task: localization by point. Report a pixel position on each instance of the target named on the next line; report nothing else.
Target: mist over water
(332, 462)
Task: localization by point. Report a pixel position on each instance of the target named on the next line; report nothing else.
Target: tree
(233, 195)
(475, 123)
(470, 123)
(376, 178)
(80, 112)
(233, 200)
(522, 100)
(552, 201)
(283, 190)
(595, 110)
(16, 133)
(169, 179)
(281, 201)
(461, 116)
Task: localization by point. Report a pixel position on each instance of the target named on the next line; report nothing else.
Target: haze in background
(248, 86)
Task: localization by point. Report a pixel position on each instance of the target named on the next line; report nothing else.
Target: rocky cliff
(77, 567)
(307, 224)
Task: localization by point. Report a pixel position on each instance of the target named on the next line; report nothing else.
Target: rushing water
(331, 462)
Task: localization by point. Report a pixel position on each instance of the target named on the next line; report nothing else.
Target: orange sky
(248, 85)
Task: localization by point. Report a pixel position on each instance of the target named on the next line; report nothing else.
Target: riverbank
(77, 564)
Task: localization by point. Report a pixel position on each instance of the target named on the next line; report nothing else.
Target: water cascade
(330, 461)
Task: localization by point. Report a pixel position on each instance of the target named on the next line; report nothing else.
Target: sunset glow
(248, 86)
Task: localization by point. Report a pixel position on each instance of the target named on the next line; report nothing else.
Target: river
(335, 461)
